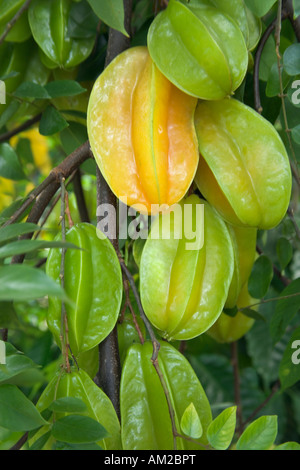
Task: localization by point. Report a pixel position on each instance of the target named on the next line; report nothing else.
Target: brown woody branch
(50, 185)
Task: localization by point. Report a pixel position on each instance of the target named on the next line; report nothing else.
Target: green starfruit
(145, 418)
(244, 170)
(244, 244)
(48, 20)
(78, 384)
(93, 282)
(199, 48)
(227, 328)
(128, 334)
(186, 269)
(249, 24)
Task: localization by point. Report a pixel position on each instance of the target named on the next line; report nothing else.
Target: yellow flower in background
(7, 193)
(39, 148)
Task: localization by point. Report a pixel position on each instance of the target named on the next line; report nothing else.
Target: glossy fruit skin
(78, 384)
(248, 23)
(183, 291)
(149, 153)
(244, 170)
(198, 48)
(228, 329)
(145, 418)
(128, 334)
(244, 245)
(93, 281)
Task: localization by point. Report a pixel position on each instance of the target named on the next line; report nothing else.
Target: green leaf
(249, 312)
(27, 246)
(288, 446)
(78, 429)
(284, 248)
(8, 316)
(11, 109)
(111, 13)
(82, 21)
(190, 422)
(40, 442)
(221, 430)
(17, 412)
(285, 310)
(73, 136)
(31, 90)
(259, 7)
(231, 312)
(289, 369)
(59, 88)
(48, 21)
(20, 370)
(13, 231)
(296, 5)
(291, 59)
(52, 122)
(10, 167)
(295, 132)
(273, 83)
(259, 435)
(260, 277)
(67, 446)
(68, 405)
(21, 282)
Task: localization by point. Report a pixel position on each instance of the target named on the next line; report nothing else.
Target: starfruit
(145, 418)
(228, 329)
(249, 24)
(78, 384)
(93, 283)
(199, 48)
(48, 21)
(244, 246)
(244, 169)
(128, 334)
(141, 131)
(184, 287)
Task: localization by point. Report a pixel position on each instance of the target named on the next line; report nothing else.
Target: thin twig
(294, 166)
(128, 304)
(63, 320)
(265, 301)
(285, 280)
(296, 227)
(274, 390)
(23, 127)
(65, 169)
(11, 23)
(237, 384)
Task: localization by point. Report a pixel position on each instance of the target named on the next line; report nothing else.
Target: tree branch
(23, 127)
(65, 169)
(14, 20)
